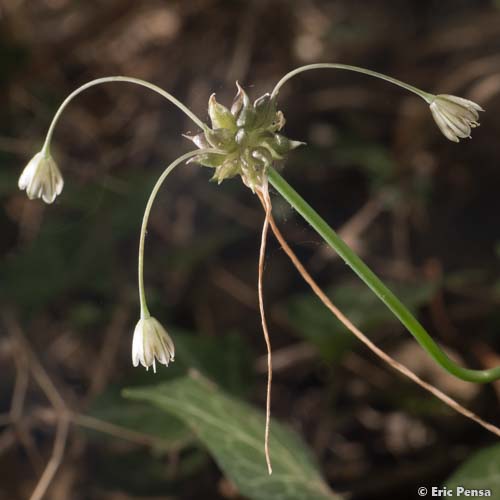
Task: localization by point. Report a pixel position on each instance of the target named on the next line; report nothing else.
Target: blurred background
(422, 212)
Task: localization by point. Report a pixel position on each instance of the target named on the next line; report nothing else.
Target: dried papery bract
(263, 194)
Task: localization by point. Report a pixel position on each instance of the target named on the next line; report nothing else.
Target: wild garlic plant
(246, 140)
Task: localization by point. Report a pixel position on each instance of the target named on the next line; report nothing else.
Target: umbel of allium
(248, 136)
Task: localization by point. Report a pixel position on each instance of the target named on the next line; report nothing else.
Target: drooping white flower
(41, 178)
(151, 342)
(455, 116)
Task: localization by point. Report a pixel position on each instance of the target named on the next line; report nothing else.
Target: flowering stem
(136, 81)
(376, 285)
(424, 95)
(142, 295)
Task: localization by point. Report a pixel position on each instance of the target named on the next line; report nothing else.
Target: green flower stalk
(145, 218)
(454, 115)
(151, 341)
(42, 178)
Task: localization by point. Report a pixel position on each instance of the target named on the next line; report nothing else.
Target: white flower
(41, 178)
(151, 342)
(455, 116)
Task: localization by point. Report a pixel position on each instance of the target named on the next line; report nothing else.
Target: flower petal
(441, 123)
(41, 178)
(459, 126)
(462, 102)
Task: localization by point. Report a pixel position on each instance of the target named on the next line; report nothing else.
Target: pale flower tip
(455, 116)
(151, 343)
(41, 178)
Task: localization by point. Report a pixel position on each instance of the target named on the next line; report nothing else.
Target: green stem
(374, 283)
(142, 294)
(136, 81)
(424, 95)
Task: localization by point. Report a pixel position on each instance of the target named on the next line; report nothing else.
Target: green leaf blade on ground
(166, 431)
(481, 471)
(234, 434)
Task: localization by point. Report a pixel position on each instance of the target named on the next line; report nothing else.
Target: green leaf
(481, 471)
(234, 434)
(169, 431)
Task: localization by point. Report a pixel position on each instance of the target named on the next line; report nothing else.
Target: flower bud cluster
(247, 136)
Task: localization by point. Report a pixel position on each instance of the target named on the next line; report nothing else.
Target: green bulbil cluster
(247, 136)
